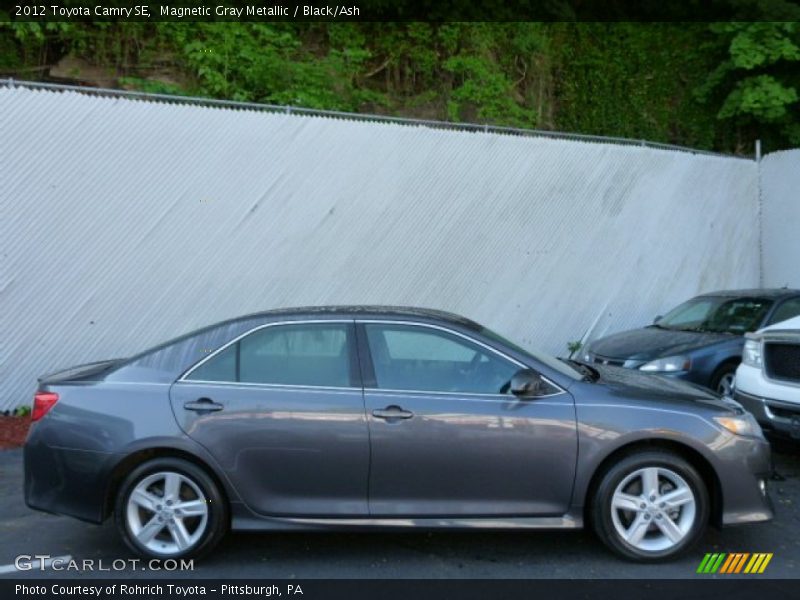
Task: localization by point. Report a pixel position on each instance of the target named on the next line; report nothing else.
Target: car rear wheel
(170, 508)
(650, 506)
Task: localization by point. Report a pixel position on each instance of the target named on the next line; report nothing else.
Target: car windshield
(560, 366)
(717, 314)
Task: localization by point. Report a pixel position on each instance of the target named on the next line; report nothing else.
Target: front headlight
(744, 424)
(668, 364)
(751, 355)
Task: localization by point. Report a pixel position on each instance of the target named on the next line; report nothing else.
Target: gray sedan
(390, 418)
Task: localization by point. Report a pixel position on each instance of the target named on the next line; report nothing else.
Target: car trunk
(87, 372)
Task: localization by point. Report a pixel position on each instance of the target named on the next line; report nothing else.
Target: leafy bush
(22, 411)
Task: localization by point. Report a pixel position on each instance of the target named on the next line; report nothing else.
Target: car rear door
(447, 439)
(281, 409)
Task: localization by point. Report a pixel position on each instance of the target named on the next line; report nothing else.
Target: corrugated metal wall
(125, 223)
(780, 218)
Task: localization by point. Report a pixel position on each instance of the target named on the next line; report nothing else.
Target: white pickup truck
(768, 379)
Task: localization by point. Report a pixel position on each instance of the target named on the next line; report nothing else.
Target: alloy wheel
(167, 513)
(725, 385)
(653, 509)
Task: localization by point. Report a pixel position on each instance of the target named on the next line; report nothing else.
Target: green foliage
(482, 67)
(760, 44)
(150, 86)
(755, 84)
(22, 411)
(762, 97)
(271, 62)
(633, 80)
(574, 347)
(708, 86)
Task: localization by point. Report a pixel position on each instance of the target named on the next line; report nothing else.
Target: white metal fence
(126, 222)
(780, 219)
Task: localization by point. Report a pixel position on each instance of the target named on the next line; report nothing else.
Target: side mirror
(526, 383)
(657, 319)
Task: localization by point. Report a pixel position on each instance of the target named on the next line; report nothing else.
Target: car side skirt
(242, 519)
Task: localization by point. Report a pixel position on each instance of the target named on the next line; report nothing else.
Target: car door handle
(203, 405)
(392, 412)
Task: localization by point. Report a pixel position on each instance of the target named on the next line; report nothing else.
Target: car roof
(331, 312)
(364, 311)
(760, 292)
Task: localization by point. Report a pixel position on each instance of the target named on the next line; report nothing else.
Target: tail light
(42, 403)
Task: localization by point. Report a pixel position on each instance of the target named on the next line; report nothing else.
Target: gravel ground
(13, 431)
(400, 555)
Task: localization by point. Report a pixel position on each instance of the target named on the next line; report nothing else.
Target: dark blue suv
(699, 341)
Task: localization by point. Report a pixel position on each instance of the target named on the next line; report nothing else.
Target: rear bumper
(64, 481)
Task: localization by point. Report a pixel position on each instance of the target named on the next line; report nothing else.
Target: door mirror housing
(527, 383)
(657, 319)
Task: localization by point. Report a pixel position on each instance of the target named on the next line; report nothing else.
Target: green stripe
(712, 559)
(703, 563)
(718, 563)
(711, 562)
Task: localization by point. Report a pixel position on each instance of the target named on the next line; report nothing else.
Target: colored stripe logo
(736, 562)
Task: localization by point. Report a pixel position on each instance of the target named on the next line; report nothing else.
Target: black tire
(217, 521)
(724, 370)
(601, 509)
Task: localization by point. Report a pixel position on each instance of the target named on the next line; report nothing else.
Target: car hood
(633, 384)
(792, 324)
(651, 342)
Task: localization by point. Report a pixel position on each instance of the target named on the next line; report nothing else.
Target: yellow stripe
(741, 561)
(757, 561)
(765, 563)
(761, 556)
(751, 563)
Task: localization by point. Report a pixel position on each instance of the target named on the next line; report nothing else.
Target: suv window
(788, 309)
(315, 354)
(414, 357)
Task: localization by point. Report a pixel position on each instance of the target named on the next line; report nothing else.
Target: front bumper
(773, 415)
(744, 466)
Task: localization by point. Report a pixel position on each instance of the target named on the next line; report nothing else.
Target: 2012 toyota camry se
(392, 418)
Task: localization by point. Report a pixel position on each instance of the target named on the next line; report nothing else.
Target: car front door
(447, 437)
(281, 410)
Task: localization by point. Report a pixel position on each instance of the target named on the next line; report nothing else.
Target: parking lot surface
(396, 555)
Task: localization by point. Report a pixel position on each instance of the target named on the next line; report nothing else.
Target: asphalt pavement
(552, 554)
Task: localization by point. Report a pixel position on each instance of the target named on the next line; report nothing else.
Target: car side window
(221, 367)
(316, 354)
(787, 310)
(413, 357)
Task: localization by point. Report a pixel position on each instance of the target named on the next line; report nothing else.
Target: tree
(756, 85)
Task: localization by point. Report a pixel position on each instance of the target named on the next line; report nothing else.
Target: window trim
(372, 380)
(351, 349)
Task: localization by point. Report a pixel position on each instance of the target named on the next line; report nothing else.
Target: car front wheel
(722, 380)
(650, 506)
(170, 508)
